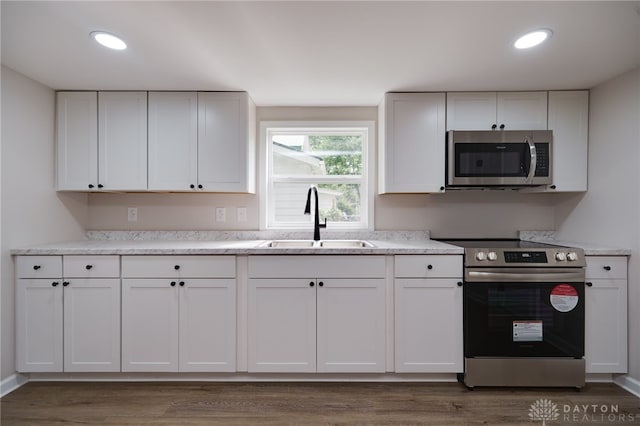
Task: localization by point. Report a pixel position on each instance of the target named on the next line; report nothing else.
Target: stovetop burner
(495, 243)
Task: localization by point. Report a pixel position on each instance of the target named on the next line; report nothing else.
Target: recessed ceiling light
(109, 40)
(533, 38)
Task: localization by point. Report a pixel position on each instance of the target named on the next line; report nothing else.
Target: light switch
(221, 214)
(132, 214)
(242, 214)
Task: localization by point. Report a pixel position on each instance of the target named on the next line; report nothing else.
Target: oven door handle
(533, 159)
(525, 276)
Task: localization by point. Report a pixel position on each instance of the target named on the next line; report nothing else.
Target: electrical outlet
(242, 214)
(221, 214)
(132, 214)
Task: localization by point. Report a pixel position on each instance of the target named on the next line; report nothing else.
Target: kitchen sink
(345, 244)
(317, 244)
(290, 244)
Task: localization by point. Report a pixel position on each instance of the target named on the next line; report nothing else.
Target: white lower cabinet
(149, 325)
(92, 325)
(282, 325)
(606, 314)
(428, 314)
(330, 324)
(39, 325)
(69, 324)
(179, 323)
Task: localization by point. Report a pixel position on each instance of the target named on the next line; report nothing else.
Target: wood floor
(199, 403)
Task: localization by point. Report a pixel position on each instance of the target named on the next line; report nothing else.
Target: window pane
(332, 156)
(289, 200)
(337, 202)
(317, 154)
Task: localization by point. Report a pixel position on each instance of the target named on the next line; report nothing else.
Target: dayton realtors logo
(546, 410)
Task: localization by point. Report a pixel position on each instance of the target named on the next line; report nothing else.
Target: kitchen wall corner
(32, 211)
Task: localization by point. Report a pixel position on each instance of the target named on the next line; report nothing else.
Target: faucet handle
(323, 225)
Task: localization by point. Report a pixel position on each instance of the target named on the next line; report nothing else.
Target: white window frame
(367, 188)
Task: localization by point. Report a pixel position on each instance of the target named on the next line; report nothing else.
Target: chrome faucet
(307, 210)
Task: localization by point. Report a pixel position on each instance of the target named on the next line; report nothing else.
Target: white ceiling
(320, 53)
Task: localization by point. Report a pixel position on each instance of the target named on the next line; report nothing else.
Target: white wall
(32, 211)
(609, 213)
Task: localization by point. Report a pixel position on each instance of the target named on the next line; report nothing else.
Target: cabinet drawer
(428, 266)
(178, 266)
(38, 266)
(317, 267)
(606, 267)
(91, 266)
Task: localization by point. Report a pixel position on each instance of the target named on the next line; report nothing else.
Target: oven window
(518, 319)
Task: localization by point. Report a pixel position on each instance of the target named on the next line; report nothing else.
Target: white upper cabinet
(412, 143)
(569, 120)
(497, 110)
(122, 141)
(173, 140)
(77, 139)
(226, 142)
(197, 141)
(102, 141)
(201, 141)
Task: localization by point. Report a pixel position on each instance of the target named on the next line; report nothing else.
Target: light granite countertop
(255, 243)
(123, 243)
(590, 249)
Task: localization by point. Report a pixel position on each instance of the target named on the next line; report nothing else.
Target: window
(332, 156)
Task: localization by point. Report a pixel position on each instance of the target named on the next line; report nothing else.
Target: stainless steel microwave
(499, 158)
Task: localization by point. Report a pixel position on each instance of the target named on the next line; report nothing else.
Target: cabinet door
(471, 110)
(173, 141)
(504, 110)
(428, 326)
(39, 325)
(412, 143)
(606, 314)
(122, 141)
(226, 160)
(77, 140)
(351, 326)
(208, 325)
(522, 110)
(606, 326)
(149, 325)
(92, 325)
(282, 325)
(569, 120)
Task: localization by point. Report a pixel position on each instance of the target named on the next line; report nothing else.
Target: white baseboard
(12, 383)
(628, 383)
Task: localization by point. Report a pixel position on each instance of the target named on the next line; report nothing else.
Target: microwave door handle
(533, 159)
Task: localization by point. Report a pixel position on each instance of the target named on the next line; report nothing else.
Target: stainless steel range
(523, 314)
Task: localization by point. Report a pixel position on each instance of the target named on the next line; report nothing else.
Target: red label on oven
(564, 297)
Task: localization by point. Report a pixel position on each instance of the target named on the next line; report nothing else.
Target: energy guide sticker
(527, 331)
(564, 297)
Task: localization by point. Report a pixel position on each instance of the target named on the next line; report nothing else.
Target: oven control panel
(551, 257)
(525, 257)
